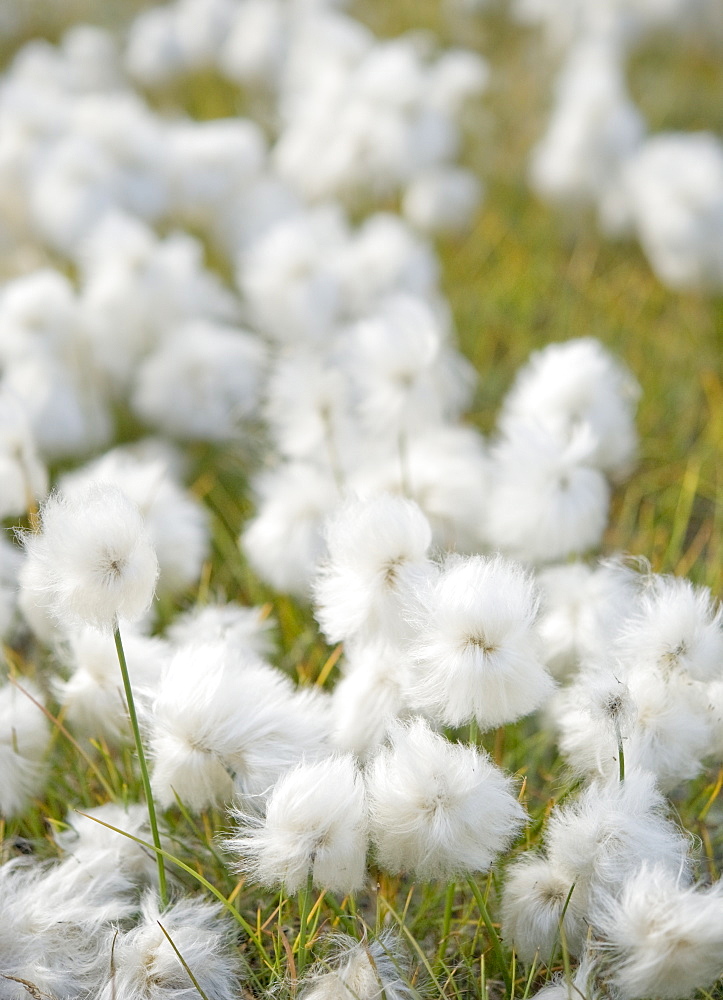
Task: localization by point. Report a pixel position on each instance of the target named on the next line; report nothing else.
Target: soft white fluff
(243, 630)
(377, 556)
(92, 696)
(547, 500)
(675, 627)
(361, 970)
(476, 648)
(24, 739)
(439, 810)
(93, 561)
(175, 520)
(370, 695)
(145, 966)
(201, 383)
(221, 722)
(660, 937)
(579, 384)
(315, 824)
(536, 895)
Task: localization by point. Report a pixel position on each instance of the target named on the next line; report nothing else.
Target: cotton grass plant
(405, 511)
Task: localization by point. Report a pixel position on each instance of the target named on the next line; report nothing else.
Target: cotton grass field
(413, 698)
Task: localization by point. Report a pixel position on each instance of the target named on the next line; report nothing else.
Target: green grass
(524, 276)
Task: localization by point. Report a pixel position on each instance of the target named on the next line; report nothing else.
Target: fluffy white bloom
(201, 382)
(665, 728)
(675, 627)
(92, 562)
(284, 540)
(174, 519)
(660, 937)
(243, 630)
(145, 966)
(102, 851)
(221, 722)
(582, 607)
(438, 809)
(447, 473)
(594, 128)
(609, 831)
(361, 970)
(476, 649)
(579, 384)
(536, 894)
(547, 500)
(404, 374)
(24, 738)
(288, 279)
(92, 696)
(370, 695)
(674, 190)
(377, 556)
(314, 423)
(316, 822)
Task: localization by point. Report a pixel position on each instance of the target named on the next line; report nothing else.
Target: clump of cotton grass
(223, 723)
(377, 558)
(173, 953)
(314, 831)
(594, 843)
(439, 810)
(675, 627)
(92, 561)
(476, 651)
(24, 740)
(361, 970)
(573, 385)
(90, 564)
(660, 936)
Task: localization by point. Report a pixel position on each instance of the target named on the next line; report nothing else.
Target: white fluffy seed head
(439, 810)
(315, 823)
(535, 897)
(377, 557)
(676, 627)
(361, 970)
(659, 937)
(477, 652)
(92, 562)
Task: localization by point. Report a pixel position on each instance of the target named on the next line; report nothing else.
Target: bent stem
(162, 891)
(494, 936)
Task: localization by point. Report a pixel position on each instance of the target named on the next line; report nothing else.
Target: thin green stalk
(162, 890)
(183, 961)
(494, 936)
(305, 897)
(621, 753)
(447, 919)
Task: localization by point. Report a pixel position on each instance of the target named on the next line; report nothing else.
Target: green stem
(162, 890)
(494, 936)
(447, 920)
(621, 754)
(305, 896)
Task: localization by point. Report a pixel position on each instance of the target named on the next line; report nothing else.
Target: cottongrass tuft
(315, 827)
(439, 810)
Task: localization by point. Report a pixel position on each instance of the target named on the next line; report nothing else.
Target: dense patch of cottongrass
(456, 573)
